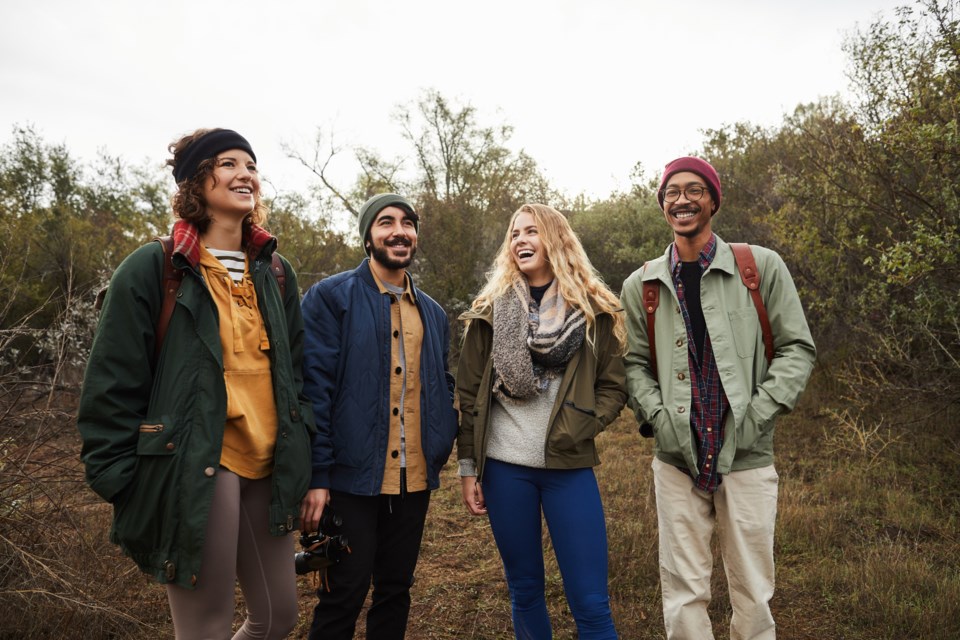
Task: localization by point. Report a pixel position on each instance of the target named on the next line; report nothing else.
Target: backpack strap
(751, 280)
(171, 284)
(651, 300)
(276, 265)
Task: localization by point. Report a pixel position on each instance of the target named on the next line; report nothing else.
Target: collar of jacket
(659, 269)
(366, 275)
(186, 242)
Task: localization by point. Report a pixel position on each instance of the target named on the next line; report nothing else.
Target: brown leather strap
(277, 267)
(651, 300)
(171, 284)
(751, 280)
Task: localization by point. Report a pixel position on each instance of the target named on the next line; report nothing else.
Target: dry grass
(867, 543)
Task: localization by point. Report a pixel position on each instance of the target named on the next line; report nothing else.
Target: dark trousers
(384, 533)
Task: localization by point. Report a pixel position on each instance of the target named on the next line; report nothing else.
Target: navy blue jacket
(346, 362)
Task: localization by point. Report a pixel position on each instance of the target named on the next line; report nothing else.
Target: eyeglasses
(692, 193)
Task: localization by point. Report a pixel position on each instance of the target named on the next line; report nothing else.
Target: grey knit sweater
(518, 429)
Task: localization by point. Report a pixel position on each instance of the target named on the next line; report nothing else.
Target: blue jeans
(570, 501)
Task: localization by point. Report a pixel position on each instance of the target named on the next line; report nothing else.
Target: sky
(590, 88)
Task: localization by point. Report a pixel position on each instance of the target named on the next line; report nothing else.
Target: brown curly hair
(188, 202)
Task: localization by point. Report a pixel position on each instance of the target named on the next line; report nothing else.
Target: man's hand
(311, 508)
(473, 495)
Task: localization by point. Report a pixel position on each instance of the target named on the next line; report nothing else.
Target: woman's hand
(473, 495)
(311, 508)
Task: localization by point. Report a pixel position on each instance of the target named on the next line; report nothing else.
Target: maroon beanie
(695, 165)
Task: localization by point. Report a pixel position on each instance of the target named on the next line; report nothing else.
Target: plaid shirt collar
(705, 259)
(186, 240)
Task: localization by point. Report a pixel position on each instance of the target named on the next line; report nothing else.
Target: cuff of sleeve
(320, 479)
(468, 467)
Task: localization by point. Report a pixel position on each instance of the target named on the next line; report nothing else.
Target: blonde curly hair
(577, 280)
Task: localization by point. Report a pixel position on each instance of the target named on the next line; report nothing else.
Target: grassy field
(867, 538)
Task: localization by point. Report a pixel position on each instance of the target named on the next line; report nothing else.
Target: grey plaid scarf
(532, 342)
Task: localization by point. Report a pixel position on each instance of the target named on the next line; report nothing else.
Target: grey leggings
(238, 546)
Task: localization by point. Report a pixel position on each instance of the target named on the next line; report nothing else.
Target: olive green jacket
(592, 393)
(152, 434)
(758, 393)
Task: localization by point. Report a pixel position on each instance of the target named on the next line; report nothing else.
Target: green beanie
(376, 204)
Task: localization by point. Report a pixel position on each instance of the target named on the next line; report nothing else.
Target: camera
(324, 548)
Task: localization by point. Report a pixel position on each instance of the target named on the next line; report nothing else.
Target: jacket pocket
(145, 515)
(155, 440)
(589, 412)
(744, 325)
(665, 434)
(749, 431)
(575, 425)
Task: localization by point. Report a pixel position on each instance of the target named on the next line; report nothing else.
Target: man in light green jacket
(710, 397)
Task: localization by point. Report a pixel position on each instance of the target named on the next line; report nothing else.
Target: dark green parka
(152, 434)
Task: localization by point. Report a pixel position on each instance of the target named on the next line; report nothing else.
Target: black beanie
(208, 146)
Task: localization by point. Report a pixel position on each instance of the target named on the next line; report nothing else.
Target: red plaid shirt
(709, 403)
(186, 240)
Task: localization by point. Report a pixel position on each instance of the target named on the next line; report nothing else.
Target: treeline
(860, 196)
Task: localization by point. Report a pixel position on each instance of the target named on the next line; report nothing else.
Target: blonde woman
(540, 375)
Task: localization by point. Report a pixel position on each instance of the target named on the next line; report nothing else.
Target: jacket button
(170, 446)
(293, 414)
(394, 454)
(681, 376)
(193, 580)
(209, 472)
(680, 342)
(398, 370)
(396, 333)
(680, 409)
(396, 411)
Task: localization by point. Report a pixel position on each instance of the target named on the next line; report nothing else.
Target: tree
(465, 182)
(63, 231)
(622, 232)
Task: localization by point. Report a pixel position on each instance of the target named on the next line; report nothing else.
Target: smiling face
(689, 219)
(528, 251)
(393, 239)
(233, 187)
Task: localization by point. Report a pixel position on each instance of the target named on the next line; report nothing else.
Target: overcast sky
(591, 88)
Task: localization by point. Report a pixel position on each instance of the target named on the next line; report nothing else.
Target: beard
(381, 255)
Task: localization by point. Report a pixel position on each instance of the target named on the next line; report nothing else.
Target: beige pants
(744, 510)
(238, 547)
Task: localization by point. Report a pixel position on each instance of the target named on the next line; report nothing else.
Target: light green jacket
(757, 393)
